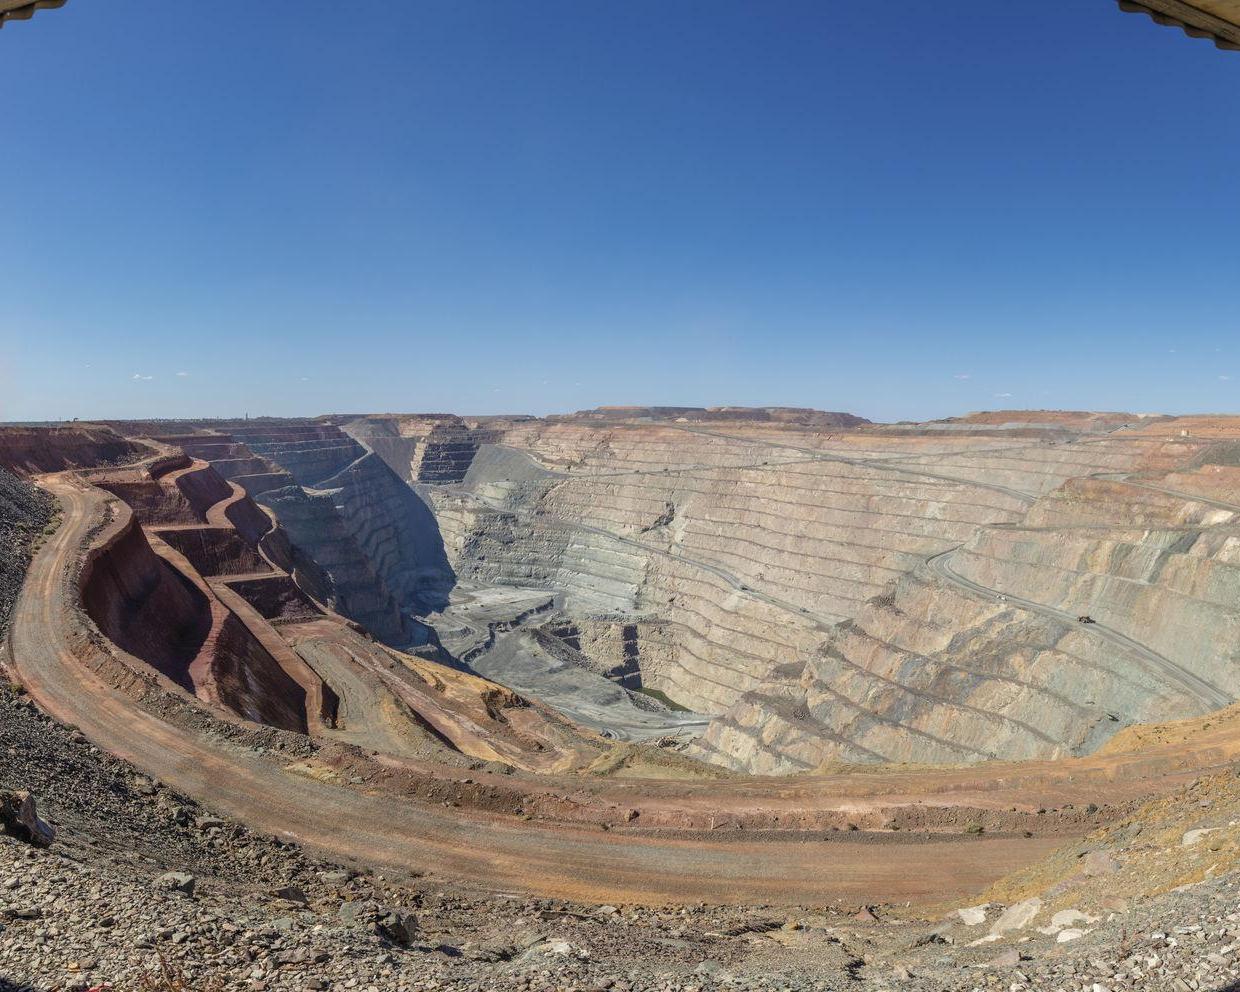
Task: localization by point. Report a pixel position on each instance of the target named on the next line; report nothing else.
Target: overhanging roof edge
(24, 9)
(1193, 21)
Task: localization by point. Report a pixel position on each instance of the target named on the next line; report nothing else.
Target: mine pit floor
(484, 627)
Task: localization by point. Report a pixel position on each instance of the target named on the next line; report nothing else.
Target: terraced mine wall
(425, 448)
(145, 607)
(742, 552)
(146, 589)
(276, 598)
(356, 537)
(790, 583)
(149, 609)
(825, 595)
(317, 532)
(216, 550)
(982, 652)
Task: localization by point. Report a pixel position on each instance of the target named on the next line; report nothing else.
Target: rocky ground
(143, 889)
(24, 512)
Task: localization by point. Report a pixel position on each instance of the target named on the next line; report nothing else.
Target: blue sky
(535, 207)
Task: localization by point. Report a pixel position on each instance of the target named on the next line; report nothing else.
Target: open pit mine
(936, 699)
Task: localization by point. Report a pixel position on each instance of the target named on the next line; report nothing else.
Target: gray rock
(1008, 959)
(398, 927)
(1017, 916)
(19, 816)
(177, 881)
(357, 911)
(1098, 863)
(972, 916)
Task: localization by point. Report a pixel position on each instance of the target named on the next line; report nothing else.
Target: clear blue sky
(299, 207)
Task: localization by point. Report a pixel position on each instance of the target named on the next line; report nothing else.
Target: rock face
(979, 653)
(802, 416)
(743, 549)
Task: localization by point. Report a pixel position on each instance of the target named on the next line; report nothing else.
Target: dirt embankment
(29, 450)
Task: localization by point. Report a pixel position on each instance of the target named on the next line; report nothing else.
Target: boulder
(1070, 917)
(972, 916)
(1097, 863)
(357, 911)
(19, 816)
(1008, 959)
(1017, 916)
(397, 926)
(177, 881)
(1194, 837)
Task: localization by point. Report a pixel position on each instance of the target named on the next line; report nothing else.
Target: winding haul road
(496, 852)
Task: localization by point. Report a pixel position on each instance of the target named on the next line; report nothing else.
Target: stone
(357, 911)
(973, 916)
(1097, 863)
(1017, 916)
(1069, 917)
(1193, 837)
(19, 816)
(1008, 959)
(177, 881)
(1066, 936)
(398, 927)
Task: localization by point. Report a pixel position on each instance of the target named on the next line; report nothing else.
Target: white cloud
(1225, 378)
(1002, 396)
(144, 378)
(305, 378)
(182, 374)
(961, 375)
